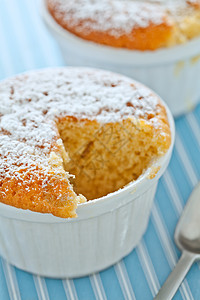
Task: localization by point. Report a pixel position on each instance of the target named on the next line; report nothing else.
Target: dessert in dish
(71, 134)
(141, 25)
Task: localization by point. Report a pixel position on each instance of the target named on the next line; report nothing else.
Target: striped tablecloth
(26, 44)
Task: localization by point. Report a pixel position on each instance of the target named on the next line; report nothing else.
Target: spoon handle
(174, 280)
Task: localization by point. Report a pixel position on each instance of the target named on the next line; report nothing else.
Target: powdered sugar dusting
(118, 16)
(32, 103)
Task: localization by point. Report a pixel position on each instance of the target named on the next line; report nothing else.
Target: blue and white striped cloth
(26, 44)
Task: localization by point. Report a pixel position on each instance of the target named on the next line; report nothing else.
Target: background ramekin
(173, 73)
(105, 230)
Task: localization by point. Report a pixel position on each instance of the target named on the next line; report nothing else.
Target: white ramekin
(173, 73)
(105, 230)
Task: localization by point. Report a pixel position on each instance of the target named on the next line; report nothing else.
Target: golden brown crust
(150, 38)
(28, 192)
(174, 25)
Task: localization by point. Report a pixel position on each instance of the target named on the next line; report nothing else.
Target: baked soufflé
(69, 135)
(131, 24)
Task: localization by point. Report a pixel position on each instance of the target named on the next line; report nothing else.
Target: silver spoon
(187, 238)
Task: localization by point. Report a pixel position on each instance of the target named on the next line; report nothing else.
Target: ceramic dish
(105, 230)
(171, 72)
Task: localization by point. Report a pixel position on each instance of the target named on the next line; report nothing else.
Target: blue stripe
(55, 289)
(21, 34)
(166, 208)
(4, 295)
(84, 289)
(155, 250)
(111, 287)
(26, 285)
(188, 138)
(13, 46)
(137, 276)
(43, 46)
(179, 177)
(193, 279)
(196, 113)
(8, 58)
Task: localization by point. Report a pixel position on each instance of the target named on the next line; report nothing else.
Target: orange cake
(141, 25)
(71, 134)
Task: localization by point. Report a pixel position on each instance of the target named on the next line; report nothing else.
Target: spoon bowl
(187, 238)
(187, 233)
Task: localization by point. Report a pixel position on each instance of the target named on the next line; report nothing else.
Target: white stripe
(11, 281)
(194, 126)
(124, 281)
(148, 268)
(97, 286)
(169, 249)
(41, 287)
(185, 160)
(70, 290)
